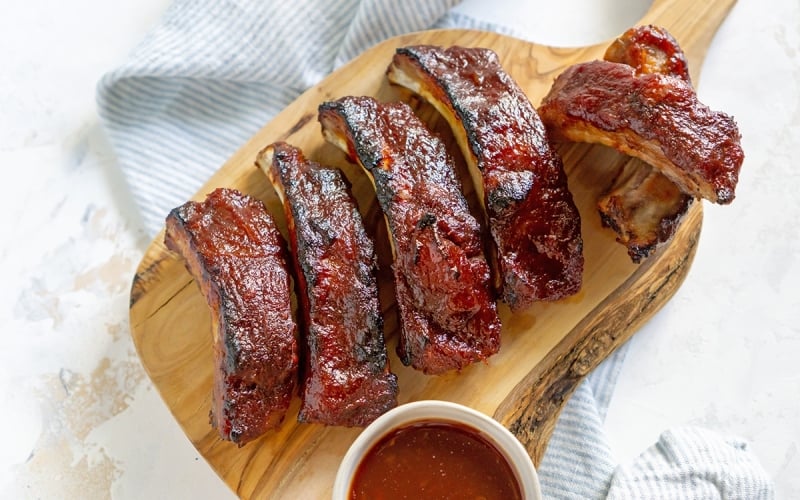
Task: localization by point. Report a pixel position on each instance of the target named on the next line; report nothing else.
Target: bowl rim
(511, 448)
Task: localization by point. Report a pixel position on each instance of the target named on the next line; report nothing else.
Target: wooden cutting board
(546, 350)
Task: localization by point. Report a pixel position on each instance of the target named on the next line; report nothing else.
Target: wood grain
(546, 350)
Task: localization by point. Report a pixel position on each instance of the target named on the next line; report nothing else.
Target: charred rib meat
(654, 117)
(642, 206)
(346, 380)
(442, 280)
(532, 218)
(235, 253)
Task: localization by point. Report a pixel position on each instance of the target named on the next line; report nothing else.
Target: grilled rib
(534, 223)
(654, 117)
(442, 280)
(346, 380)
(231, 247)
(642, 206)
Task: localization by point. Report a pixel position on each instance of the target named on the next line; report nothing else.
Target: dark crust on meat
(442, 281)
(642, 206)
(532, 218)
(654, 117)
(231, 247)
(347, 380)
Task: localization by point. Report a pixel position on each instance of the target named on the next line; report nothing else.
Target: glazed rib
(649, 49)
(532, 218)
(442, 281)
(654, 117)
(642, 206)
(346, 380)
(231, 247)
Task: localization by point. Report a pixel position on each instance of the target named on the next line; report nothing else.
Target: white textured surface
(83, 421)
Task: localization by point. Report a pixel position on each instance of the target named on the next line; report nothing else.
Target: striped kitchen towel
(213, 72)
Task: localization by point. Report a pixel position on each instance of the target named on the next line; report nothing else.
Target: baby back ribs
(534, 223)
(442, 281)
(346, 379)
(642, 206)
(654, 117)
(231, 247)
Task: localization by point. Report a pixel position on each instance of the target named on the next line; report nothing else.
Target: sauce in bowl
(436, 449)
(434, 459)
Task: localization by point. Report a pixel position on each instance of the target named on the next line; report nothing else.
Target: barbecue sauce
(434, 460)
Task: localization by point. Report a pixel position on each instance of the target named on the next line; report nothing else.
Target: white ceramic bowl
(503, 440)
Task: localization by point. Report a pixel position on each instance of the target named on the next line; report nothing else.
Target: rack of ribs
(230, 245)
(442, 280)
(534, 223)
(346, 379)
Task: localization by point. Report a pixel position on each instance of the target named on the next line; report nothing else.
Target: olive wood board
(546, 350)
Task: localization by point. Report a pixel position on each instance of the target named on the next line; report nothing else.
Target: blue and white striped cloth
(215, 71)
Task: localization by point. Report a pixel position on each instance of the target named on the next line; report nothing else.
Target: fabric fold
(691, 463)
